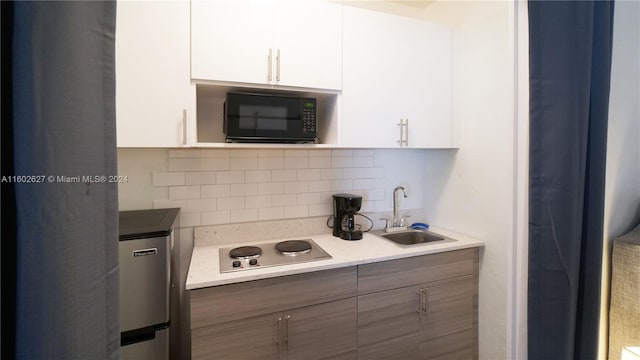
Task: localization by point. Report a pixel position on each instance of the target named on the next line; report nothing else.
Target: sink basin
(414, 237)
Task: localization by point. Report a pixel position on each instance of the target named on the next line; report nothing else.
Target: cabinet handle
(400, 125)
(425, 295)
(184, 126)
(280, 337)
(269, 65)
(286, 336)
(278, 66)
(420, 297)
(406, 132)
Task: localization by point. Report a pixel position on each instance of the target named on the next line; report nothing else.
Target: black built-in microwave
(269, 118)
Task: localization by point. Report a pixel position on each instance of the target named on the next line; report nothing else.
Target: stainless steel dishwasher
(146, 241)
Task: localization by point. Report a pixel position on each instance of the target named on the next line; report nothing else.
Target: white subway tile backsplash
(342, 185)
(166, 204)
(320, 185)
(330, 174)
(215, 163)
(243, 163)
(182, 153)
(220, 186)
(308, 174)
(296, 153)
(243, 189)
(342, 152)
(167, 178)
(284, 175)
(342, 161)
(200, 177)
(309, 198)
(364, 184)
(260, 201)
(272, 153)
(270, 188)
(214, 191)
(257, 176)
(217, 153)
(284, 200)
(271, 213)
(184, 192)
(319, 153)
(230, 203)
(320, 209)
(295, 187)
(271, 163)
(244, 215)
(184, 164)
(373, 173)
(201, 205)
(323, 162)
(229, 177)
(363, 161)
(296, 162)
(216, 217)
(296, 211)
(190, 219)
(243, 153)
(353, 173)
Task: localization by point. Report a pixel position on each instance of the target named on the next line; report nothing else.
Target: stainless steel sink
(413, 237)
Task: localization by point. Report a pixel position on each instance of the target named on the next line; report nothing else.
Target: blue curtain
(66, 226)
(570, 63)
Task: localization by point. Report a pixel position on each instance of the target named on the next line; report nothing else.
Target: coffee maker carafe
(345, 207)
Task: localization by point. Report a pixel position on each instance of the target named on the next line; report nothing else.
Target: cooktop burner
(245, 252)
(270, 254)
(293, 247)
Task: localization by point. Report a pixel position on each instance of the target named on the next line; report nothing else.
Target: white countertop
(204, 270)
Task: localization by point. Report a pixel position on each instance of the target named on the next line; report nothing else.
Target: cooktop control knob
(253, 262)
(236, 264)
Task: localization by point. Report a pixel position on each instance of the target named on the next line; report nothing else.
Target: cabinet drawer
(416, 270)
(220, 304)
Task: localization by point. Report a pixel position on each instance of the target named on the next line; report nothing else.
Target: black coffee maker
(345, 207)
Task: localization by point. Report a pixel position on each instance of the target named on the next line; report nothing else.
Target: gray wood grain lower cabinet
(430, 320)
(424, 307)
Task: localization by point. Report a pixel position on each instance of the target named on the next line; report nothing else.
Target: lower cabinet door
(324, 331)
(389, 324)
(250, 339)
(449, 328)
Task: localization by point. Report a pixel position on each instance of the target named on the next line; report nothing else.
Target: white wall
(622, 191)
(471, 190)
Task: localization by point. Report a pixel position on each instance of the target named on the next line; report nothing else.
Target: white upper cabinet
(395, 70)
(154, 95)
(267, 42)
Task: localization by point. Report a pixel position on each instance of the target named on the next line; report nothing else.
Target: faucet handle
(403, 218)
(386, 221)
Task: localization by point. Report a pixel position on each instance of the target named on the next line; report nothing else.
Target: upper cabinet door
(267, 42)
(231, 40)
(308, 37)
(395, 68)
(154, 95)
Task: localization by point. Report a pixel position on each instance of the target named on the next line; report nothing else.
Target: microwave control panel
(309, 117)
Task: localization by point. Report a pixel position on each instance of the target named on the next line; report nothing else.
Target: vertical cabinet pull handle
(420, 297)
(184, 126)
(269, 65)
(425, 294)
(286, 336)
(279, 338)
(278, 66)
(406, 132)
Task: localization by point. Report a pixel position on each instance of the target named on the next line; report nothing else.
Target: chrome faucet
(396, 223)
